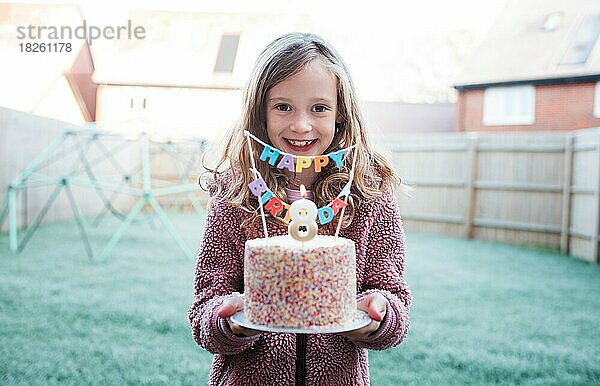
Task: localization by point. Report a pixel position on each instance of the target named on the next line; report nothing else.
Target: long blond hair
(282, 58)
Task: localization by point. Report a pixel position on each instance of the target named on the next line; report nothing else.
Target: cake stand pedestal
(301, 359)
(360, 319)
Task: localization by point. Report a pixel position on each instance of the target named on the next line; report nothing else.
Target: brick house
(539, 69)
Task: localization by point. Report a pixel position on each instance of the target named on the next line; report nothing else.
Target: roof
(188, 44)
(538, 40)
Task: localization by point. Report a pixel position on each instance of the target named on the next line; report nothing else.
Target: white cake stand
(360, 319)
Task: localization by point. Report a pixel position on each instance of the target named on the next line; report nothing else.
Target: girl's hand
(375, 305)
(230, 306)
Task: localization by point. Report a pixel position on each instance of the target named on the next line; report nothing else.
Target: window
(552, 21)
(513, 105)
(583, 42)
(597, 101)
(227, 53)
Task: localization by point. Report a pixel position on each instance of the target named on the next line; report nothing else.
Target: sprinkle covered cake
(291, 284)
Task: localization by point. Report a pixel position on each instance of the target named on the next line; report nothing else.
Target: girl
(301, 100)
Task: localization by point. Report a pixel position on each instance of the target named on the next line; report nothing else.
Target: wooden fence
(535, 188)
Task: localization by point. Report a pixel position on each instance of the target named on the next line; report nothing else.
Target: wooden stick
(262, 212)
(337, 231)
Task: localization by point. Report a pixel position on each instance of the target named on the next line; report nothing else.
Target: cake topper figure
(303, 212)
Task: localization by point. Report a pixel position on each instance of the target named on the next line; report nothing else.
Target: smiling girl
(300, 99)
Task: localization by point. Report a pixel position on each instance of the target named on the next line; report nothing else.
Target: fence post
(566, 194)
(596, 225)
(472, 154)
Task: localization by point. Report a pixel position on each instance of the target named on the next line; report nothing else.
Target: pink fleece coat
(269, 358)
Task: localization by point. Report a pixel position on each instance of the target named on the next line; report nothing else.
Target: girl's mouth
(300, 145)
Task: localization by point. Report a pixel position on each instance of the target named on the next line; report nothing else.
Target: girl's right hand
(230, 306)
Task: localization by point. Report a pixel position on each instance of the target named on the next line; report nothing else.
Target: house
(539, 69)
(194, 88)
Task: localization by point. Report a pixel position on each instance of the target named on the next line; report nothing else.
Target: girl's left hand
(375, 305)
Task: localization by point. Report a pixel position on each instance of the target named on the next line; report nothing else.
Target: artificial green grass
(489, 313)
(483, 313)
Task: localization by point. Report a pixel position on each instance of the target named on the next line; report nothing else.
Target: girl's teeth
(300, 143)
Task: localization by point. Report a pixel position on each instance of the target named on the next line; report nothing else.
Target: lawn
(483, 313)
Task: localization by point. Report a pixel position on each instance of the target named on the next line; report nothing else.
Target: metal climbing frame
(145, 191)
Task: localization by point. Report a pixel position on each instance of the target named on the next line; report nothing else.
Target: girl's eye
(320, 109)
(283, 107)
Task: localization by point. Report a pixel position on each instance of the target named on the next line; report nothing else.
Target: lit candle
(303, 212)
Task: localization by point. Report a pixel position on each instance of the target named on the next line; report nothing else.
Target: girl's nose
(301, 124)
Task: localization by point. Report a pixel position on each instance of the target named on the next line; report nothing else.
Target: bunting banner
(294, 163)
(275, 157)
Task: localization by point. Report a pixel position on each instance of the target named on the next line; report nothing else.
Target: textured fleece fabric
(269, 358)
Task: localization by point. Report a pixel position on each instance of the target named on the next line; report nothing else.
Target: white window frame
(512, 105)
(597, 101)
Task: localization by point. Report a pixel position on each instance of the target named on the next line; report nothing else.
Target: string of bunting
(298, 163)
(274, 205)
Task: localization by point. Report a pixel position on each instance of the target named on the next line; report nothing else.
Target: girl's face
(301, 111)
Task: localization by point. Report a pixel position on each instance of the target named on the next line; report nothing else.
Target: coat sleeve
(219, 273)
(384, 272)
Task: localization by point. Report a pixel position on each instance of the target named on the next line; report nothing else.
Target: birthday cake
(294, 284)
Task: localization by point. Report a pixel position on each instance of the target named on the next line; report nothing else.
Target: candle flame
(302, 191)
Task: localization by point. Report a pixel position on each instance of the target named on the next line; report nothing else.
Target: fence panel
(537, 188)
